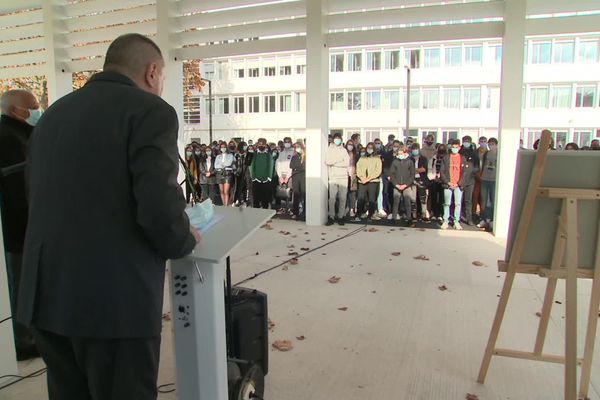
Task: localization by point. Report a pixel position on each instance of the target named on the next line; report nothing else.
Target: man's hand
(402, 187)
(421, 170)
(196, 234)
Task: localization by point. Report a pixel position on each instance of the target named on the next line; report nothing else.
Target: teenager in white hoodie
(338, 165)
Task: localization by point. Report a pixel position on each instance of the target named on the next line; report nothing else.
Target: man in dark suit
(20, 111)
(105, 214)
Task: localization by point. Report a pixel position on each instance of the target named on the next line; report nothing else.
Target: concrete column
(511, 92)
(173, 89)
(317, 111)
(60, 80)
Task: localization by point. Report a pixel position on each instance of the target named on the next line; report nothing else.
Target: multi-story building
(455, 90)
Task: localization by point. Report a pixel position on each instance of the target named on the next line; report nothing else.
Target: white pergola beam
(564, 25)
(339, 6)
(21, 72)
(23, 45)
(15, 6)
(109, 33)
(453, 12)
(31, 57)
(110, 18)
(195, 6)
(102, 6)
(417, 34)
(242, 48)
(22, 32)
(23, 18)
(537, 7)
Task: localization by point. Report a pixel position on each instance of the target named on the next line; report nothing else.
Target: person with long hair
(225, 166)
(298, 168)
(352, 181)
(191, 181)
(368, 171)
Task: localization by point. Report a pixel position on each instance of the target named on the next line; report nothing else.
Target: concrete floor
(401, 337)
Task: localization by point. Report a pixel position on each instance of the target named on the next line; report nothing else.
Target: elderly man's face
(23, 105)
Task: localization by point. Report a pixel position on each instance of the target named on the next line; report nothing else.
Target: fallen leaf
(374, 291)
(283, 345)
(270, 324)
(290, 246)
(306, 233)
(478, 264)
(538, 314)
(323, 233)
(256, 253)
(396, 253)
(369, 273)
(294, 261)
(293, 253)
(334, 279)
(323, 254)
(343, 308)
(471, 397)
(443, 288)
(304, 249)
(285, 268)
(422, 258)
(372, 230)
(422, 229)
(558, 302)
(166, 317)
(300, 337)
(284, 233)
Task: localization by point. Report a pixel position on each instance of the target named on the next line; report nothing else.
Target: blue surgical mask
(483, 145)
(223, 149)
(350, 147)
(369, 151)
(188, 154)
(34, 117)
(337, 141)
(244, 148)
(209, 153)
(467, 145)
(415, 153)
(378, 146)
(402, 156)
(287, 145)
(455, 150)
(362, 153)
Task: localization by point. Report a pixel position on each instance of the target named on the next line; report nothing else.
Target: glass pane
(541, 53)
(432, 58)
(453, 56)
(564, 52)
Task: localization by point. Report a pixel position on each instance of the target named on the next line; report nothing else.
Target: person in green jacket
(261, 172)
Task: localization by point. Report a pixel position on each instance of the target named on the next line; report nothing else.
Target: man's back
(105, 212)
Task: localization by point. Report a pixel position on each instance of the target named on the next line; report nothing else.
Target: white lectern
(198, 304)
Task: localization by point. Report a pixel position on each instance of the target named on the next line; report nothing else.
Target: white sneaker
(390, 216)
(444, 226)
(382, 214)
(375, 217)
(481, 224)
(398, 218)
(458, 226)
(352, 214)
(365, 215)
(427, 216)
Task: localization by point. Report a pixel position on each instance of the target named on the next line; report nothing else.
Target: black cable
(354, 232)
(20, 378)
(6, 319)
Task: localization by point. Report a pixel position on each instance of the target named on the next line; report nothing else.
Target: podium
(198, 304)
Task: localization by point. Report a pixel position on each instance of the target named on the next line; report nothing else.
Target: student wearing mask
(452, 178)
(436, 191)
(388, 154)
(368, 172)
(380, 152)
(428, 150)
(338, 163)
(352, 181)
(421, 181)
(242, 175)
(356, 139)
(282, 166)
(402, 178)
(191, 181)
(481, 150)
(471, 168)
(261, 171)
(225, 167)
(298, 176)
(488, 184)
(207, 177)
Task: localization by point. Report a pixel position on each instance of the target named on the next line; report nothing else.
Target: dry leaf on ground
(372, 230)
(343, 308)
(334, 279)
(538, 314)
(478, 264)
(293, 253)
(471, 397)
(443, 288)
(285, 233)
(283, 345)
(300, 337)
(166, 317)
(558, 302)
(294, 261)
(285, 268)
(374, 291)
(270, 324)
(267, 226)
(396, 253)
(422, 229)
(290, 246)
(304, 249)
(256, 253)
(422, 258)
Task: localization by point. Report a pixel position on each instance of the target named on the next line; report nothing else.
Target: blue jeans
(488, 196)
(457, 192)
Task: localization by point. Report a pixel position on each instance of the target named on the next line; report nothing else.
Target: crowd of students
(401, 182)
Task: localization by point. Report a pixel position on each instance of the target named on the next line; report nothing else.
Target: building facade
(455, 91)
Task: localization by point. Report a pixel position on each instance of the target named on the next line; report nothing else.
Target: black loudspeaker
(249, 336)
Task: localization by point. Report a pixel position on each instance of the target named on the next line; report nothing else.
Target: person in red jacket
(452, 178)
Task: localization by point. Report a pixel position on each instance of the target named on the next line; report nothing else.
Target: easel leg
(571, 303)
(489, 350)
(545, 318)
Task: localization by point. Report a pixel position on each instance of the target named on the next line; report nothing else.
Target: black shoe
(25, 353)
(329, 222)
(470, 222)
(341, 222)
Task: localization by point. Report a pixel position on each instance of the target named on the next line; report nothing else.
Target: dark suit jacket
(445, 171)
(472, 166)
(105, 212)
(14, 137)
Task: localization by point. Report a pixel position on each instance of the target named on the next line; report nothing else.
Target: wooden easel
(560, 268)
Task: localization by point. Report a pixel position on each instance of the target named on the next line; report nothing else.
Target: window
(222, 65)
(560, 139)
(354, 100)
(300, 101)
(588, 51)
(472, 98)
(538, 97)
(582, 138)
(224, 105)
(285, 102)
(392, 59)
(253, 104)
(431, 99)
(253, 72)
(493, 98)
(540, 52)
(432, 58)
(337, 101)
(473, 55)
(585, 96)
(391, 100)
(373, 100)
(269, 71)
(373, 60)
(285, 70)
(415, 98)
(412, 58)
(452, 98)
(561, 97)
(238, 105)
(270, 103)
(564, 52)
(209, 71)
(207, 105)
(191, 112)
(354, 61)
(497, 52)
(337, 63)
(453, 56)
(447, 136)
(301, 69)
(238, 73)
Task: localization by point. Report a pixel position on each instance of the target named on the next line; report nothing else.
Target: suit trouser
(408, 195)
(337, 189)
(99, 369)
(14, 263)
(467, 209)
(263, 193)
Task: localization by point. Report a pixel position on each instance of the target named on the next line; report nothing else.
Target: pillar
(317, 111)
(60, 80)
(511, 93)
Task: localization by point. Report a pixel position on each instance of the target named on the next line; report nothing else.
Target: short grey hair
(131, 53)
